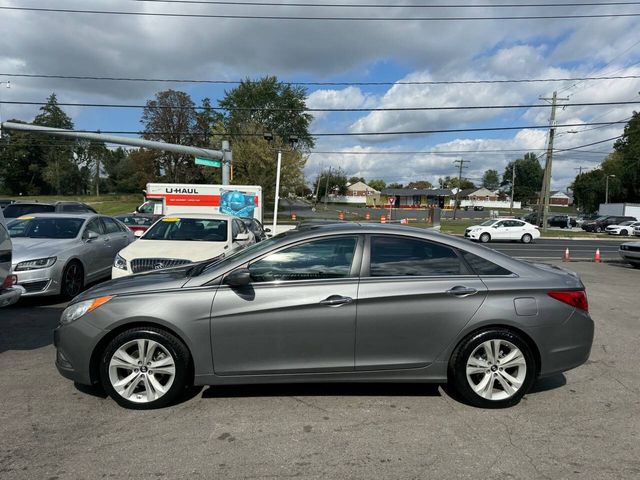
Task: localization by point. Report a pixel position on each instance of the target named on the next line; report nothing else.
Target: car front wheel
(485, 237)
(493, 368)
(145, 368)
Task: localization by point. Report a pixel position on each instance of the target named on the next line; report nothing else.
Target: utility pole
(226, 163)
(513, 186)
(545, 191)
(318, 184)
(8, 84)
(460, 164)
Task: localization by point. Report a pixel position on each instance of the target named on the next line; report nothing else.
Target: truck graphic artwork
(236, 203)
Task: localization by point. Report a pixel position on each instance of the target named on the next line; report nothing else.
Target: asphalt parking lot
(584, 424)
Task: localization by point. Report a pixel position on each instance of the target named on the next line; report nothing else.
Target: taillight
(575, 298)
(9, 282)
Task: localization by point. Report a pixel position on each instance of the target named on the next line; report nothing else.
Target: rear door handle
(336, 300)
(461, 291)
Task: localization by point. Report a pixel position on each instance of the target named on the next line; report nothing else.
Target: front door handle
(336, 300)
(461, 291)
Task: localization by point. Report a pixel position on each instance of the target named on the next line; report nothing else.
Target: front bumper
(75, 344)
(9, 296)
(629, 255)
(118, 272)
(42, 281)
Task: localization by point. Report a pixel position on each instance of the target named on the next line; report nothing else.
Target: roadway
(554, 249)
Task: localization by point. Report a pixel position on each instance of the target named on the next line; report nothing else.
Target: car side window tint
(393, 256)
(483, 267)
(95, 226)
(110, 225)
(235, 229)
(318, 259)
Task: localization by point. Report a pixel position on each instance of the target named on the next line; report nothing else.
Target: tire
(72, 280)
(485, 238)
(470, 355)
(526, 238)
(624, 232)
(146, 389)
(598, 229)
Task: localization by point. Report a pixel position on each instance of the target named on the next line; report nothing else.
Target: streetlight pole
(606, 194)
(8, 84)
(513, 186)
(293, 140)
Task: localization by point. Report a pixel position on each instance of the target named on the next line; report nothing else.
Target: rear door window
(110, 226)
(393, 256)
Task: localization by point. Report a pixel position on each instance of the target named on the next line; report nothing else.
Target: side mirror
(91, 236)
(242, 237)
(267, 230)
(238, 278)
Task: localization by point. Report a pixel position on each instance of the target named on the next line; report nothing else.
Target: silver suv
(9, 293)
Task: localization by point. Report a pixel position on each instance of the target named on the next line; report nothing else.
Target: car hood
(33, 248)
(153, 281)
(187, 250)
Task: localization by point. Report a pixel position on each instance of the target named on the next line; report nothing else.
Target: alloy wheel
(142, 370)
(496, 370)
(72, 280)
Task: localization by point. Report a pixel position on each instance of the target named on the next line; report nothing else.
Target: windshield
(600, 219)
(45, 227)
(188, 229)
(488, 223)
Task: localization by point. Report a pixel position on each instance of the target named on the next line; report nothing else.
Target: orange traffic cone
(567, 256)
(294, 217)
(597, 258)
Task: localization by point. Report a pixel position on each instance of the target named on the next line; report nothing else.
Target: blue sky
(389, 51)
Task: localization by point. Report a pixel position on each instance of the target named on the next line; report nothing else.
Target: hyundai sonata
(332, 303)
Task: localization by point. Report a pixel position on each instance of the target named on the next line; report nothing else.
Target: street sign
(207, 162)
(392, 200)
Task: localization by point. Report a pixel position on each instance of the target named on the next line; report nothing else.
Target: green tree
(529, 175)
(453, 182)
(61, 170)
(628, 170)
(278, 108)
(353, 180)
(420, 184)
(377, 184)
(21, 164)
(335, 179)
(490, 179)
(589, 188)
(395, 185)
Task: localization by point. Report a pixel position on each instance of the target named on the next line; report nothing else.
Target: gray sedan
(61, 253)
(333, 303)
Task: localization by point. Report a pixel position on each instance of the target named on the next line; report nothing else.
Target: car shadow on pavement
(324, 389)
(549, 383)
(29, 324)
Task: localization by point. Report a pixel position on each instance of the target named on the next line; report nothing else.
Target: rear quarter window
(482, 266)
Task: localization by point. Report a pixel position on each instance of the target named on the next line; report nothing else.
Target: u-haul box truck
(175, 198)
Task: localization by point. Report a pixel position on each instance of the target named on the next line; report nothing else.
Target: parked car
(137, 223)
(630, 252)
(5, 202)
(18, 209)
(503, 229)
(256, 227)
(585, 218)
(182, 239)
(601, 223)
(562, 221)
(61, 253)
(625, 228)
(335, 303)
(9, 291)
(636, 231)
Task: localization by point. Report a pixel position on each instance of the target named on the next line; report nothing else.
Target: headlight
(120, 262)
(35, 264)
(75, 311)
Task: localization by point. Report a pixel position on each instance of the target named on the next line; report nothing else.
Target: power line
(365, 109)
(304, 18)
(360, 134)
(378, 5)
(334, 84)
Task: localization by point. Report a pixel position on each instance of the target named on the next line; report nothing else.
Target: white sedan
(625, 228)
(503, 229)
(181, 239)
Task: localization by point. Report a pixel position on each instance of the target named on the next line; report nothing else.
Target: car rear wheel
(485, 237)
(493, 368)
(624, 232)
(526, 238)
(72, 280)
(145, 368)
(598, 229)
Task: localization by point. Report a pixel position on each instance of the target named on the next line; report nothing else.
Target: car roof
(62, 215)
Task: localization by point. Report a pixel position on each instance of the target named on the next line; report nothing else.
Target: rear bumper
(564, 346)
(11, 295)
